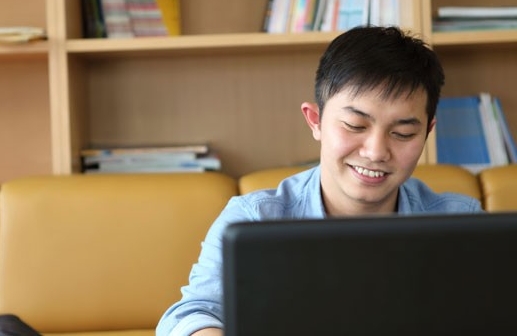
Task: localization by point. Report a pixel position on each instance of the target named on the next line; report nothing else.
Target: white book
(150, 157)
(14, 34)
(390, 12)
(155, 163)
(280, 11)
(328, 19)
(133, 170)
(374, 16)
(384, 13)
(492, 131)
(477, 12)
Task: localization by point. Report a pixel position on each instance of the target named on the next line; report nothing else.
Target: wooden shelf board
(474, 37)
(39, 48)
(192, 43)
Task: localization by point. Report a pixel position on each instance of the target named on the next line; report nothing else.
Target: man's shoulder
(291, 192)
(421, 198)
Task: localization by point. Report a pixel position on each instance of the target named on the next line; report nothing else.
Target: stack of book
(452, 18)
(472, 131)
(294, 16)
(130, 18)
(21, 34)
(188, 158)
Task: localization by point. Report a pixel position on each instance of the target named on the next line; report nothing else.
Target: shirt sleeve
(195, 322)
(201, 303)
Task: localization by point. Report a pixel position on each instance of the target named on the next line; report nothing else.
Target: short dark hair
(370, 57)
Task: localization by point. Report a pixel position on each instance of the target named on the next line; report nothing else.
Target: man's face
(369, 147)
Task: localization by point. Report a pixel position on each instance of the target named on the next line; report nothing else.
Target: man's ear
(431, 125)
(311, 113)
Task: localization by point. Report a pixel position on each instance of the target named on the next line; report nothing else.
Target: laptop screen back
(415, 275)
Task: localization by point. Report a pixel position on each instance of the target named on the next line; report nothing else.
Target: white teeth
(367, 172)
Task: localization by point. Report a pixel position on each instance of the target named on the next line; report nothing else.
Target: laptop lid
(414, 275)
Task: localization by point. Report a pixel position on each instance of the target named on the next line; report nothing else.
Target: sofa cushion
(102, 252)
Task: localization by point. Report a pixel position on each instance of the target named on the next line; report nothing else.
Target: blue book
(509, 140)
(460, 137)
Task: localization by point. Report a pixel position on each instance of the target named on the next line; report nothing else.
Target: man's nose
(376, 147)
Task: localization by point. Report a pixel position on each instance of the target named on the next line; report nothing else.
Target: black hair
(369, 57)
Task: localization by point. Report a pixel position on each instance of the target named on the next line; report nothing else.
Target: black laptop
(414, 275)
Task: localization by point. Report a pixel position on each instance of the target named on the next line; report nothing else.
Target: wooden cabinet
(223, 82)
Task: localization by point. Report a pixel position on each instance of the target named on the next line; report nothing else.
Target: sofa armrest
(499, 187)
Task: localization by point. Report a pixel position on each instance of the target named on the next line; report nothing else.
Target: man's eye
(354, 127)
(404, 136)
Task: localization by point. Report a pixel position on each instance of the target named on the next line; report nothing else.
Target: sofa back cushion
(449, 178)
(267, 178)
(440, 178)
(102, 252)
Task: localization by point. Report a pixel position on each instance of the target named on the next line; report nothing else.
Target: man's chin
(371, 199)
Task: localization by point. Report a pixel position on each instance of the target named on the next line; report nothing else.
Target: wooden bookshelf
(222, 81)
(475, 61)
(25, 133)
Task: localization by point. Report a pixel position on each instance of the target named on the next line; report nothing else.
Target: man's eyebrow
(358, 112)
(404, 121)
(408, 121)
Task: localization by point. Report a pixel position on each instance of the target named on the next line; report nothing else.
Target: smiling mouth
(368, 172)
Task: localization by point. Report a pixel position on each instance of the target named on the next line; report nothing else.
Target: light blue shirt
(298, 196)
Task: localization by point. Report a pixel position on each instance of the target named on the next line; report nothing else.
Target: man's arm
(208, 332)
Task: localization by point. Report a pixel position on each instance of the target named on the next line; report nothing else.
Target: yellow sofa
(107, 254)
(92, 253)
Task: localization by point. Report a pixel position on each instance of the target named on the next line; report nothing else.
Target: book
(147, 169)
(117, 19)
(189, 157)
(299, 15)
(143, 157)
(492, 131)
(477, 11)
(473, 24)
(460, 137)
(21, 34)
(171, 15)
(458, 18)
(319, 14)
(279, 16)
(384, 12)
(330, 16)
(310, 15)
(159, 162)
(283, 16)
(267, 15)
(93, 19)
(195, 148)
(352, 13)
(509, 140)
(146, 18)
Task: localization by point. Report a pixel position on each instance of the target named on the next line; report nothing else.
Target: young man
(376, 96)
